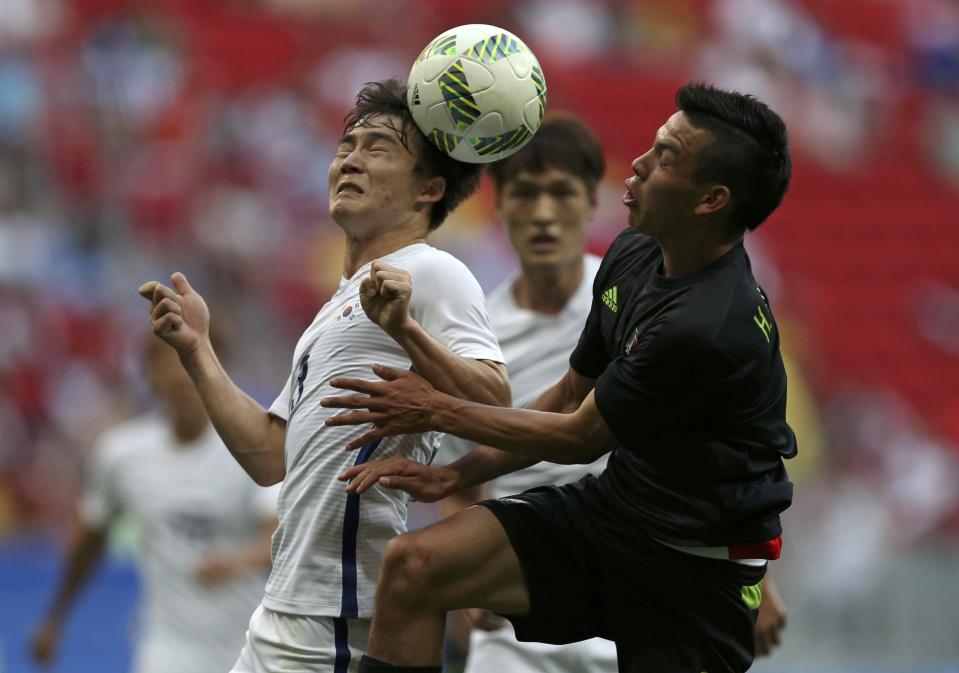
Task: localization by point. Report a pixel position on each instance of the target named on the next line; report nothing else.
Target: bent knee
(410, 570)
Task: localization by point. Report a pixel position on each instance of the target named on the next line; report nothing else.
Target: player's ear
(714, 199)
(433, 190)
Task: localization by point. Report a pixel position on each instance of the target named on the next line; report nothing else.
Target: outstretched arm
(405, 403)
(83, 555)
(254, 437)
(483, 463)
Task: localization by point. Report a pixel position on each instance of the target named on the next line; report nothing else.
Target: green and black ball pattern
(459, 100)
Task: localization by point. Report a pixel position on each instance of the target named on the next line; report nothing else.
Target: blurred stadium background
(138, 138)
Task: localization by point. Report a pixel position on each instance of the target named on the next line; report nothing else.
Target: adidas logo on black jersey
(609, 298)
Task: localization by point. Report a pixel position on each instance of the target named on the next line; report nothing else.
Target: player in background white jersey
(205, 526)
(400, 302)
(545, 195)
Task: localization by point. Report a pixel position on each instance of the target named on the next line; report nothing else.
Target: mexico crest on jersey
(632, 341)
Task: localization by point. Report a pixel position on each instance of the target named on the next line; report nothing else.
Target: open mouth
(543, 242)
(348, 188)
(629, 199)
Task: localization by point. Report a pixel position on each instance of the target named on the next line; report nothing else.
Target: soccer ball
(477, 92)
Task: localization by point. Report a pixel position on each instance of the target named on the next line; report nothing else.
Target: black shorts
(667, 611)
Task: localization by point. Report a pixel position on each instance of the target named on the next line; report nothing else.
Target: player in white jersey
(204, 546)
(546, 194)
(400, 302)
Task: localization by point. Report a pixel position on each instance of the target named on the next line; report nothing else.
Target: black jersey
(690, 380)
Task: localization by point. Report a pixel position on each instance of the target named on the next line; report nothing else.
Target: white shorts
(284, 643)
(499, 652)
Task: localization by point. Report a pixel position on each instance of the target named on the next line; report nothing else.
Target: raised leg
(463, 561)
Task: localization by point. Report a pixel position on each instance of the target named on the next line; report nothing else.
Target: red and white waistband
(756, 554)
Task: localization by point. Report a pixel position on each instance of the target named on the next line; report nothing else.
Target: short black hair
(389, 98)
(562, 141)
(749, 151)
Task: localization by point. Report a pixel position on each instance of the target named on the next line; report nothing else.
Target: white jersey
(537, 349)
(329, 545)
(191, 500)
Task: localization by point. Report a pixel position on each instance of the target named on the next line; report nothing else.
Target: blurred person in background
(388, 189)
(546, 195)
(204, 526)
(678, 373)
(110, 187)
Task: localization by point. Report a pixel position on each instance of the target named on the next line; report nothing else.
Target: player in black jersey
(678, 373)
